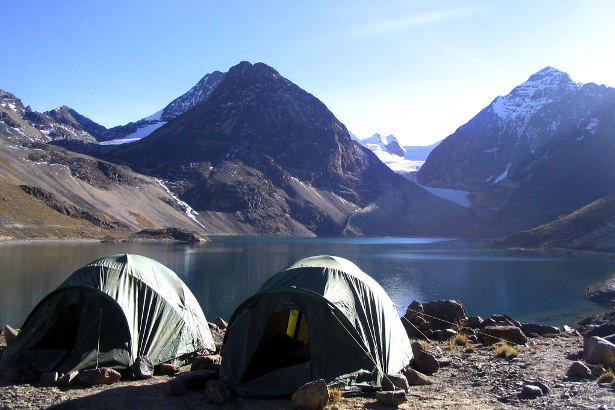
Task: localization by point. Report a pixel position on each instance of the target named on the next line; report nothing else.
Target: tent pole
(98, 343)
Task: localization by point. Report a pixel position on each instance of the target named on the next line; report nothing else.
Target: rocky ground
(475, 379)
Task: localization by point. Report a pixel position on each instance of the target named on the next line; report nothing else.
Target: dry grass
(470, 348)
(423, 343)
(335, 395)
(460, 340)
(505, 351)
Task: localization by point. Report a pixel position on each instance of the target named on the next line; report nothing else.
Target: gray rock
(166, 369)
(541, 385)
(221, 323)
(578, 369)
(209, 362)
(312, 395)
(142, 368)
(391, 398)
(395, 381)
(596, 350)
(536, 329)
(48, 379)
(474, 322)
(444, 361)
(68, 379)
(511, 334)
(416, 378)
(217, 392)
(9, 334)
(197, 379)
(103, 375)
(425, 362)
(444, 334)
(416, 347)
(175, 387)
(606, 329)
(531, 391)
(596, 369)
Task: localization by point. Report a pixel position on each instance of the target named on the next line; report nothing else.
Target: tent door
(285, 343)
(63, 333)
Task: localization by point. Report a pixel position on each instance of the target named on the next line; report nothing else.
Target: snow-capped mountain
(387, 144)
(541, 151)
(19, 123)
(134, 131)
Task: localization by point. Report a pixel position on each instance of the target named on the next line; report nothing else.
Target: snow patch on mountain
(140, 133)
(190, 213)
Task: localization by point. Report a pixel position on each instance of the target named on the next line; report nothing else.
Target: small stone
(166, 369)
(104, 375)
(48, 379)
(9, 334)
(312, 395)
(416, 347)
(217, 392)
(578, 369)
(222, 325)
(391, 398)
(543, 387)
(531, 391)
(142, 368)
(395, 381)
(209, 362)
(416, 378)
(425, 362)
(444, 361)
(175, 387)
(68, 379)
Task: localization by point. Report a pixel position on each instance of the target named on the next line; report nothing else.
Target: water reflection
(223, 273)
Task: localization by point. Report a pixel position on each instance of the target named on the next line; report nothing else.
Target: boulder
(395, 381)
(209, 362)
(48, 379)
(167, 369)
(511, 334)
(596, 350)
(578, 369)
(536, 329)
(474, 322)
(175, 387)
(103, 375)
(425, 362)
(142, 368)
(596, 370)
(415, 378)
(217, 392)
(391, 398)
(443, 313)
(531, 391)
(68, 379)
(606, 329)
(416, 347)
(9, 334)
(197, 379)
(312, 395)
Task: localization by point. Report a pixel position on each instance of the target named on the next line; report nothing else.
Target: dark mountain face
(272, 154)
(543, 150)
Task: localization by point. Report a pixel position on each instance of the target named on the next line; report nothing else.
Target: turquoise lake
(529, 286)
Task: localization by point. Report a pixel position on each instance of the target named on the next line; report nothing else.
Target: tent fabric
(354, 331)
(110, 312)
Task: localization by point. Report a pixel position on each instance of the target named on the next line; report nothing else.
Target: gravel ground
(471, 380)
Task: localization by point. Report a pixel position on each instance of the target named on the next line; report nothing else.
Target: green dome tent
(322, 317)
(110, 312)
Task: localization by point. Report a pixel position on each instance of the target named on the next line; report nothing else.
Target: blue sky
(415, 69)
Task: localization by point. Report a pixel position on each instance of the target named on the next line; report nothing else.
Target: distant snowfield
(140, 133)
(397, 163)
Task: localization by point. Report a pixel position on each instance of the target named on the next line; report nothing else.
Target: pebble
(531, 391)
